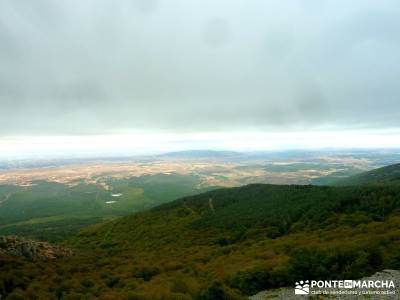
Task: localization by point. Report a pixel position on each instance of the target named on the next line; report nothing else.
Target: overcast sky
(116, 67)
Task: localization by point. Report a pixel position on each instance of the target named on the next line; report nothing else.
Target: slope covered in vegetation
(385, 175)
(54, 211)
(223, 244)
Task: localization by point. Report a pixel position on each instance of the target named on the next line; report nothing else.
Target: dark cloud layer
(82, 67)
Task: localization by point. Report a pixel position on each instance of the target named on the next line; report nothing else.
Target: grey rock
(18, 246)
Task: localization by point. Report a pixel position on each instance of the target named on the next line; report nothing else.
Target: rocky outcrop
(30, 249)
(288, 293)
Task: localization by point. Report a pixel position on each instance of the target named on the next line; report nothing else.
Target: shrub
(112, 281)
(87, 283)
(250, 281)
(335, 263)
(134, 296)
(216, 291)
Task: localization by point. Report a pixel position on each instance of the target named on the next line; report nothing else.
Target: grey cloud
(82, 67)
(217, 32)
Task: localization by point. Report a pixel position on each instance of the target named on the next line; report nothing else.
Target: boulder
(30, 249)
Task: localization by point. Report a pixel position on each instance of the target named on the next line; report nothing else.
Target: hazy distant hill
(202, 154)
(386, 175)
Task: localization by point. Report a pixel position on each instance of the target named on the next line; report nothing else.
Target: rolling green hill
(386, 175)
(54, 211)
(222, 244)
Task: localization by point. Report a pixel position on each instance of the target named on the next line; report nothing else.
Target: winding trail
(211, 205)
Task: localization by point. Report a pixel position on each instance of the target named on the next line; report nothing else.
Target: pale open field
(213, 172)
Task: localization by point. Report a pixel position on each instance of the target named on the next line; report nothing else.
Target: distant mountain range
(202, 154)
(376, 157)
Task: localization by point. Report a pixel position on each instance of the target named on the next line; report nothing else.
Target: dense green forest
(222, 244)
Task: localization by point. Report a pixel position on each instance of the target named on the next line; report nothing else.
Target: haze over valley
(199, 150)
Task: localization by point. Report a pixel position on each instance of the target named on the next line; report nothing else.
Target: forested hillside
(387, 175)
(223, 244)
